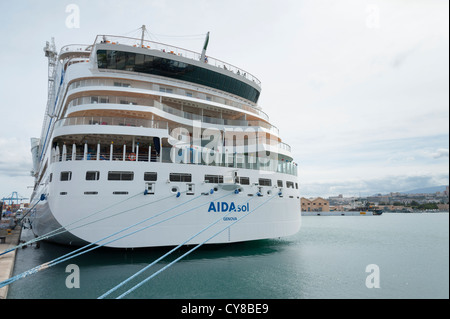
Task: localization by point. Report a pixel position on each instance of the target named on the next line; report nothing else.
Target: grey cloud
(442, 152)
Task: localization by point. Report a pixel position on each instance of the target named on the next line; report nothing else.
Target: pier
(7, 260)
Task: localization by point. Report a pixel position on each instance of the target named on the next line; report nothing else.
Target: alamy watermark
(373, 16)
(73, 19)
(73, 279)
(250, 147)
(373, 279)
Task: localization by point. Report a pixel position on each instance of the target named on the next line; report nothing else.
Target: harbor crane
(14, 197)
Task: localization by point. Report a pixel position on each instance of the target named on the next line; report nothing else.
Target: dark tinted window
(66, 176)
(150, 176)
(120, 176)
(244, 180)
(92, 176)
(213, 178)
(265, 182)
(180, 177)
(128, 61)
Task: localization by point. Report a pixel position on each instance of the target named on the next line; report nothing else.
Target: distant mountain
(426, 190)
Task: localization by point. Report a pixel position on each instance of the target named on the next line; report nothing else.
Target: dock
(7, 260)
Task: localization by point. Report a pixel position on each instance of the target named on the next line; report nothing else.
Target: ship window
(280, 183)
(289, 184)
(93, 176)
(120, 193)
(296, 185)
(51, 177)
(119, 84)
(265, 182)
(165, 90)
(119, 60)
(66, 176)
(213, 178)
(90, 193)
(127, 102)
(150, 176)
(243, 180)
(120, 176)
(180, 177)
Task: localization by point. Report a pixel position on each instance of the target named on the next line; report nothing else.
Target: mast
(142, 35)
(205, 46)
(52, 55)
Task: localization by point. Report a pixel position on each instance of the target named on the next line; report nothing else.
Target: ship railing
(133, 122)
(104, 156)
(76, 48)
(178, 91)
(284, 146)
(71, 51)
(194, 156)
(108, 120)
(89, 100)
(169, 49)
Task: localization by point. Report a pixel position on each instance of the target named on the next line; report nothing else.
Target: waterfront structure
(315, 205)
(135, 129)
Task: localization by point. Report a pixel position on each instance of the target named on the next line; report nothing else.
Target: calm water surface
(326, 259)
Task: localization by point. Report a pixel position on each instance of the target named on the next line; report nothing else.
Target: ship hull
(215, 213)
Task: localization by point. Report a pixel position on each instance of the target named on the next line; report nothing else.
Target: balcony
(125, 103)
(114, 121)
(210, 95)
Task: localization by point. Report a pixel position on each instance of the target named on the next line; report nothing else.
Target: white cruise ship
(145, 144)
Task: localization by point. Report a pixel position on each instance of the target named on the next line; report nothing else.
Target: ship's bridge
(148, 57)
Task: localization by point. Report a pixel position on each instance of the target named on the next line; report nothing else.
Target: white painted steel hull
(141, 220)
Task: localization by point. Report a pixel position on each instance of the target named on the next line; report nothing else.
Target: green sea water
(331, 257)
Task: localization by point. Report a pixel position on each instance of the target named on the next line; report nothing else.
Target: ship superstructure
(134, 128)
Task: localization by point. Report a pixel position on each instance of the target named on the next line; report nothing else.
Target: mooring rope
(73, 254)
(164, 256)
(103, 218)
(187, 253)
(64, 229)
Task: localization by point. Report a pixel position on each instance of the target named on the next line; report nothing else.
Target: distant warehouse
(315, 205)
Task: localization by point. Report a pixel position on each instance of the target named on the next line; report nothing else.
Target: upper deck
(118, 53)
(134, 42)
(128, 54)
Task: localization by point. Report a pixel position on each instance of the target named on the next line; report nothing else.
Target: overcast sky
(359, 89)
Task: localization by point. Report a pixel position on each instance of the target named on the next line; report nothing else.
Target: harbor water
(392, 256)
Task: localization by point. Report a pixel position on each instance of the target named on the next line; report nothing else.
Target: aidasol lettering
(225, 207)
